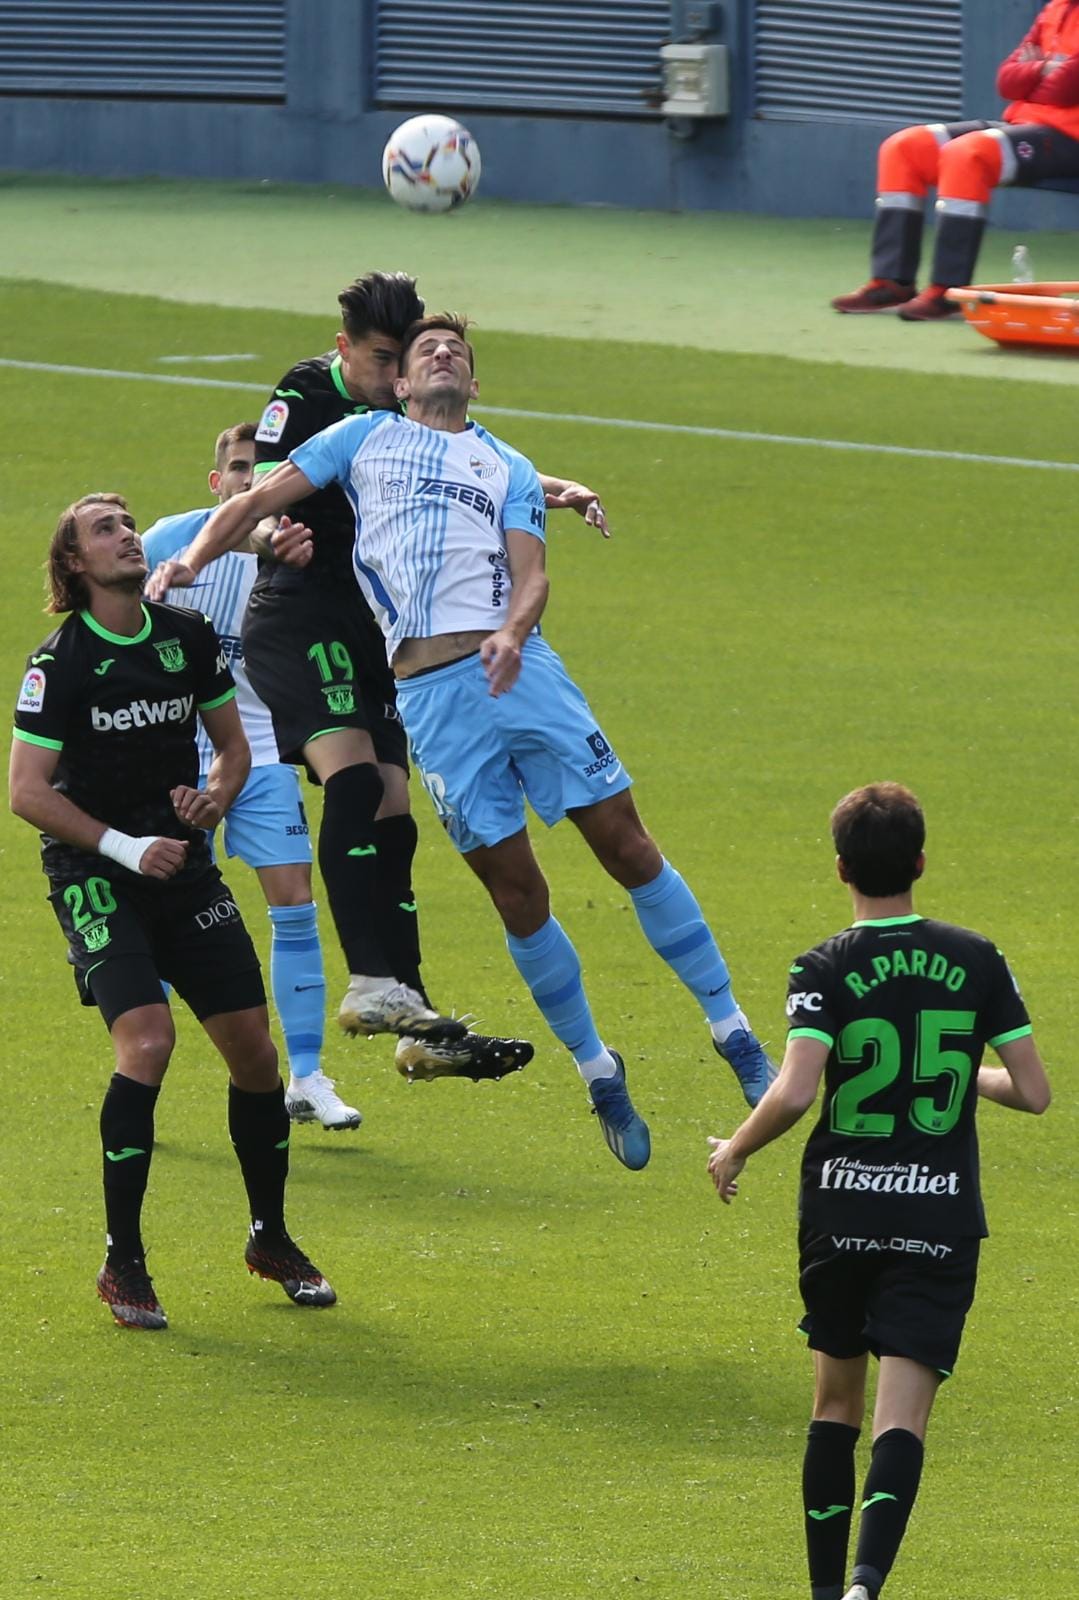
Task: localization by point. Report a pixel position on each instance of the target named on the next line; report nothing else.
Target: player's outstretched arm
(228, 771)
(500, 652)
(564, 494)
(33, 798)
(788, 1100)
(1021, 1083)
(232, 523)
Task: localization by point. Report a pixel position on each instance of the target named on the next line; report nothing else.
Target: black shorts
(128, 935)
(316, 656)
(894, 1297)
(1037, 153)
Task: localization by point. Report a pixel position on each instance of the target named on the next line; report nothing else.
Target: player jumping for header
(450, 556)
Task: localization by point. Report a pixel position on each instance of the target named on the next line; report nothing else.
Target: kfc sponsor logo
(803, 1002)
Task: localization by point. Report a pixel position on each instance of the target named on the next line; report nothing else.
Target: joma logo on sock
(141, 714)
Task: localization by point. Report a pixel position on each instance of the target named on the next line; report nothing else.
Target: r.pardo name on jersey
(465, 493)
(909, 1178)
(909, 963)
(141, 714)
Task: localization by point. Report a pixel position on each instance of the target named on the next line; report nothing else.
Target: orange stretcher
(1042, 314)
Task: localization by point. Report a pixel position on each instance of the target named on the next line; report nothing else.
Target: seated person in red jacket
(1038, 138)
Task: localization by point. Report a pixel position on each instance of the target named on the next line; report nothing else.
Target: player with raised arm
(266, 825)
(895, 1013)
(450, 555)
(316, 657)
(104, 764)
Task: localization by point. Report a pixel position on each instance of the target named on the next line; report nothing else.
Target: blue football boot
(625, 1132)
(744, 1054)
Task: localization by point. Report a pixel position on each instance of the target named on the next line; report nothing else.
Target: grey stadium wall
(563, 95)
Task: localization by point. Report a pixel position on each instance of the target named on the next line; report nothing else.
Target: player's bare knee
(631, 856)
(521, 900)
(253, 1067)
(144, 1054)
(288, 885)
(395, 796)
(244, 1042)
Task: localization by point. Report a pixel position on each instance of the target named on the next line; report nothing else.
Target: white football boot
(314, 1099)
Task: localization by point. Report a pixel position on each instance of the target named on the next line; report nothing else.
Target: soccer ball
(431, 163)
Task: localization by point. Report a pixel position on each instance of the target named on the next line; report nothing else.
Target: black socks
(890, 1488)
(259, 1130)
(127, 1143)
(348, 857)
(828, 1497)
(395, 905)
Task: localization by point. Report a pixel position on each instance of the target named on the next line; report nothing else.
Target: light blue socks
(675, 928)
(299, 984)
(548, 964)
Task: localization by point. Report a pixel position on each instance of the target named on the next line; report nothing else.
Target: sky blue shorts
(265, 825)
(480, 758)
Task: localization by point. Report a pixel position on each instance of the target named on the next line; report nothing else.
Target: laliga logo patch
(273, 422)
(482, 469)
(1024, 150)
(32, 694)
(605, 757)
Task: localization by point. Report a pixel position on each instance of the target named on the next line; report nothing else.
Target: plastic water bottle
(1022, 266)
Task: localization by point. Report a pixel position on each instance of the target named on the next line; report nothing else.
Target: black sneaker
(128, 1291)
(279, 1260)
(475, 1056)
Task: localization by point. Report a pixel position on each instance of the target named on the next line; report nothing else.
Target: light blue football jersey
(430, 511)
(221, 590)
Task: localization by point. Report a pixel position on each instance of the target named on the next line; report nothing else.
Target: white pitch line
(136, 377)
(220, 361)
(681, 428)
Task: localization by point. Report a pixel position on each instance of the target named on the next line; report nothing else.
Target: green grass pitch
(548, 1378)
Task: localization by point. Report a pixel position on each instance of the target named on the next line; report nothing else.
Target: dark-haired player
(316, 656)
(104, 764)
(453, 566)
(895, 1012)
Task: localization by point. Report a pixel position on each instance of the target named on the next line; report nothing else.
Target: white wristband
(123, 848)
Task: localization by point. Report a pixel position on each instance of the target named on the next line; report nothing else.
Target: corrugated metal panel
(202, 49)
(598, 57)
(859, 60)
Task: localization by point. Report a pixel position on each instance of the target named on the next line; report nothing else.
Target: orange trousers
(914, 160)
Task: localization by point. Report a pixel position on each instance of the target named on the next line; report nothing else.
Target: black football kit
(122, 713)
(890, 1206)
(314, 652)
